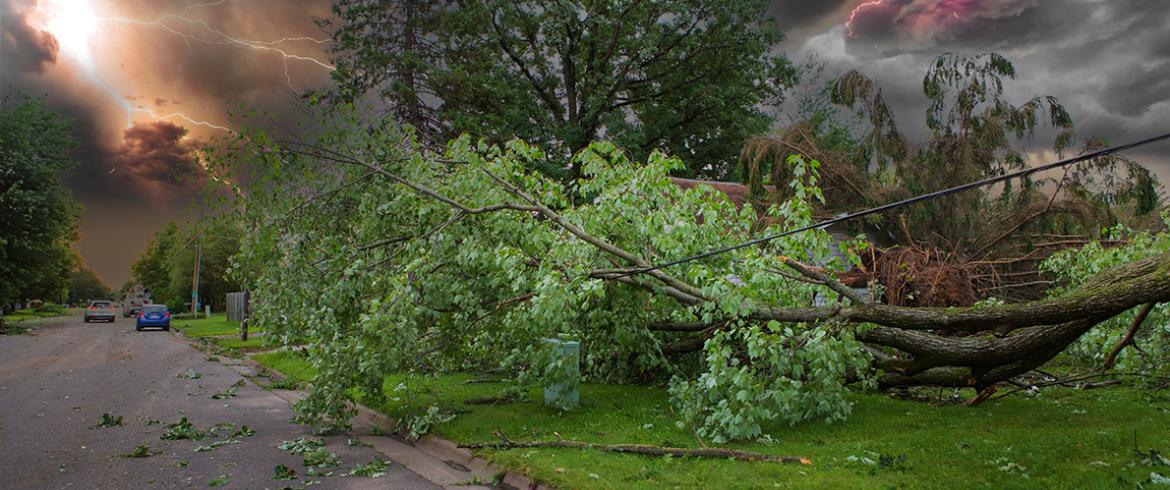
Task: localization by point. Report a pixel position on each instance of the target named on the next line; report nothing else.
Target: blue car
(153, 316)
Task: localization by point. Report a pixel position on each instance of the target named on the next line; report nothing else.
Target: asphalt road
(57, 381)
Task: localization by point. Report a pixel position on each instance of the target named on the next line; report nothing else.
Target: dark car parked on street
(153, 316)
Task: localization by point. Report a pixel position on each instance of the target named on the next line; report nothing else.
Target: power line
(904, 202)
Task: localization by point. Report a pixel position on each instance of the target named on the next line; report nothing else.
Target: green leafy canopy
(688, 77)
(385, 278)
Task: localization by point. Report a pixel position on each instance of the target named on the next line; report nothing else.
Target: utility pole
(195, 278)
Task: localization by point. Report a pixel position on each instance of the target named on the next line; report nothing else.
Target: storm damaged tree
(400, 260)
(990, 239)
(688, 77)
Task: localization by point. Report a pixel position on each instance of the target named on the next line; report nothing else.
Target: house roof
(738, 193)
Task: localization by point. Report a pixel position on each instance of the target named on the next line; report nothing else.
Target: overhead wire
(905, 202)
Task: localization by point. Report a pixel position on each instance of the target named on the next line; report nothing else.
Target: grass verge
(21, 321)
(218, 324)
(234, 347)
(1064, 438)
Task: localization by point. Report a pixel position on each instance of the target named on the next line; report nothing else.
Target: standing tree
(84, 285)
(388, 47)
(687, 77)
(37, 216)
(167, 266)
(150, 268)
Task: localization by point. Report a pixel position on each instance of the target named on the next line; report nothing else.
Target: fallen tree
(404, 261)
(1025, 335)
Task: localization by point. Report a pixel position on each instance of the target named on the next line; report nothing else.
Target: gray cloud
(1107, 61)
(1135, 93)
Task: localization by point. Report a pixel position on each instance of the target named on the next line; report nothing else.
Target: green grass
(30, 313)
(233, 346)
(235, 343)
(1063, 439)
(21, 321)
(294, 368)
(218, 324)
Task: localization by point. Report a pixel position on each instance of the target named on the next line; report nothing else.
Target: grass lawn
(30, 313)
(218, 324)
(1065, 438)
(235, 346)
(21, 321)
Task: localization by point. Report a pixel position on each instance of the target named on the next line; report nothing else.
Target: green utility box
(567, 355)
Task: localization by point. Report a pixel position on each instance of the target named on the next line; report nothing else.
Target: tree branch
(1111, 359)
(705, 452)
(829, 282)
(604, 245)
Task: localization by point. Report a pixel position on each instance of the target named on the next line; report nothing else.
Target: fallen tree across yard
(1018, 337)
(399, 260)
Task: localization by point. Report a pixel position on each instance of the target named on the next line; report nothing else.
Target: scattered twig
(718, 453)
(982, 396)
(983, 251)
(491, 400)
(480, 380)
(1067, 382)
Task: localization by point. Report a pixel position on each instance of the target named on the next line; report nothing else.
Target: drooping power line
(905, 202)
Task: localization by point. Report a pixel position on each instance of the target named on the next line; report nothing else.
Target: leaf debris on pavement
(142, 451)
(109, 420)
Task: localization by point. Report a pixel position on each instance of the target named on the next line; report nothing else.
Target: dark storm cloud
(1133, 94)
(24, 47)
(792, 14)
(933, 22)
(177, 74)
(204, 64)
(799, 19)
(1107, 61)
(158, 153)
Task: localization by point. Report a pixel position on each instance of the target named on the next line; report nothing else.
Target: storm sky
(149, 82)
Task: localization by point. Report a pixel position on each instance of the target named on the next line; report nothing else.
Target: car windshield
(154, 309)
(101, 304)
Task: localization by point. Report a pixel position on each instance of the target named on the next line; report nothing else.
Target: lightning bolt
(218, 37)
(853, 15)
(73, 22)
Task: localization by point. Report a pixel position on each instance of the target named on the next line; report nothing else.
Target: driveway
(58, 381)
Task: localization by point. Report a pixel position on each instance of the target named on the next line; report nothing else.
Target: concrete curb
(441, 461)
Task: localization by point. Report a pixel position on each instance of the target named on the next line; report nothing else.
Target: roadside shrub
(51, 308)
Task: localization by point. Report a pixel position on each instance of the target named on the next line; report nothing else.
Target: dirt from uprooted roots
(919, 276)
